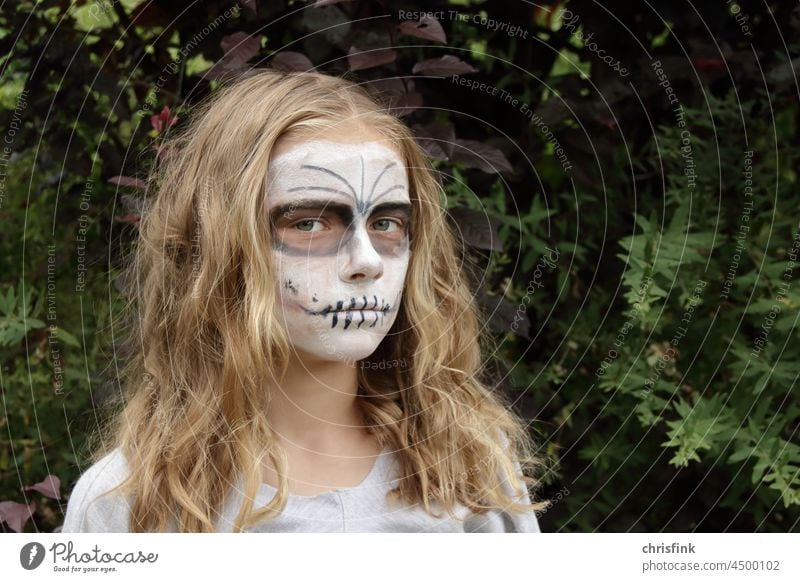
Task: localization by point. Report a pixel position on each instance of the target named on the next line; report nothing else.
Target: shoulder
(88, 508)
(518, 522)
(504, 520)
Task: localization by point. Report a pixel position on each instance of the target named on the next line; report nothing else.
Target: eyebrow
(344, 211)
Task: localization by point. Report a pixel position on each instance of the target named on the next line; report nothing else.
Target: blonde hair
(205, 335)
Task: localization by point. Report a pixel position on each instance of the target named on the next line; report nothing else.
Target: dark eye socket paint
(310, 240)
(345, 212)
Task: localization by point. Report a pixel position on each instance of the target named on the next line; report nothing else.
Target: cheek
(300, 280)
(390, 246)
(396, 267)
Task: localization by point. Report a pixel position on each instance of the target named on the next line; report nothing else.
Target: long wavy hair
(205, 337)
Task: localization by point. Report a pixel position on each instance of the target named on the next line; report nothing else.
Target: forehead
(362, 172)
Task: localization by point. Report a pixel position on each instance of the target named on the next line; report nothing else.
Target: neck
(315, 405)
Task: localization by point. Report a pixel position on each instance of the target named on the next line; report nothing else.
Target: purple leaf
(239, 48)
(366, 59)
(50, 487)
(405, 104)
(390, 87)
(476, 154)
(445, 66)
(427, 28)
(249, 5)
(128, 181)
(436, 139)
(291, 61)
(16, 515)
(477, 229)
(397, 95)
(503, 315)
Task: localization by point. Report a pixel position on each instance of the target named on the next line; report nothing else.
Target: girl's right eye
(307, 225)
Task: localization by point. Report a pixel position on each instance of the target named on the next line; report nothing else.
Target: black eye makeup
(322, 227)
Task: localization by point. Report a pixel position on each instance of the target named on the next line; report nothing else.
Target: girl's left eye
(309, 222)
(387, 224)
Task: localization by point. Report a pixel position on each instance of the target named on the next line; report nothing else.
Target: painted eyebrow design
(343, 211)
(362, 201)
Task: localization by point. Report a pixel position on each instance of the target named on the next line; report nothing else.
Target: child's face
(340, 214)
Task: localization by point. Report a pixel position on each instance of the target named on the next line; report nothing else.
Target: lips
(353, 305)
(344, 312)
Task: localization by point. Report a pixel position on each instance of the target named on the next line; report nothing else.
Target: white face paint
(340, 215)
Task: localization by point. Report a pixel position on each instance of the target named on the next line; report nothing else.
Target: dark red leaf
(436, 139)
(366, 59)
(405, 104)
(397, 95)
(477, 229)
(390, 87)
(503, 315)
(239, 48)
(163, 120)
(476, 154)
(16, 515)
(427, 28)
(249, 5)
(224, 71)
(445, 66)
(291, 61)
(128, 181)
(50, 487)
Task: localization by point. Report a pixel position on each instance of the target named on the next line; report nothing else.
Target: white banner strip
(401, 557)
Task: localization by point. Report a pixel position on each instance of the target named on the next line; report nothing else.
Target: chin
(340, 347)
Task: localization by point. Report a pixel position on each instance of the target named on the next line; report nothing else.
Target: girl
(307, 354)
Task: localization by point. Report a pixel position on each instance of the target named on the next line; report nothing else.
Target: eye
(388, 224)
(307, 225)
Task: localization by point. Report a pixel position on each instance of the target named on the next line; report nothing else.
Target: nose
(358, 259)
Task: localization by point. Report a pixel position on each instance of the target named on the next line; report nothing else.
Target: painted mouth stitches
(351, 307)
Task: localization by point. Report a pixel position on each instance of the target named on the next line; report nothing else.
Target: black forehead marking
(334, 174)
(363, 205)
(378, 179)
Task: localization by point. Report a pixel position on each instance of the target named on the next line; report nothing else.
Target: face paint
(340, 217)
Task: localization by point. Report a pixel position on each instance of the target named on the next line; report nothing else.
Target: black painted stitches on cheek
(288, 284)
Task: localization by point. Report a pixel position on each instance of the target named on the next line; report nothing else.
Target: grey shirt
(362, 508)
